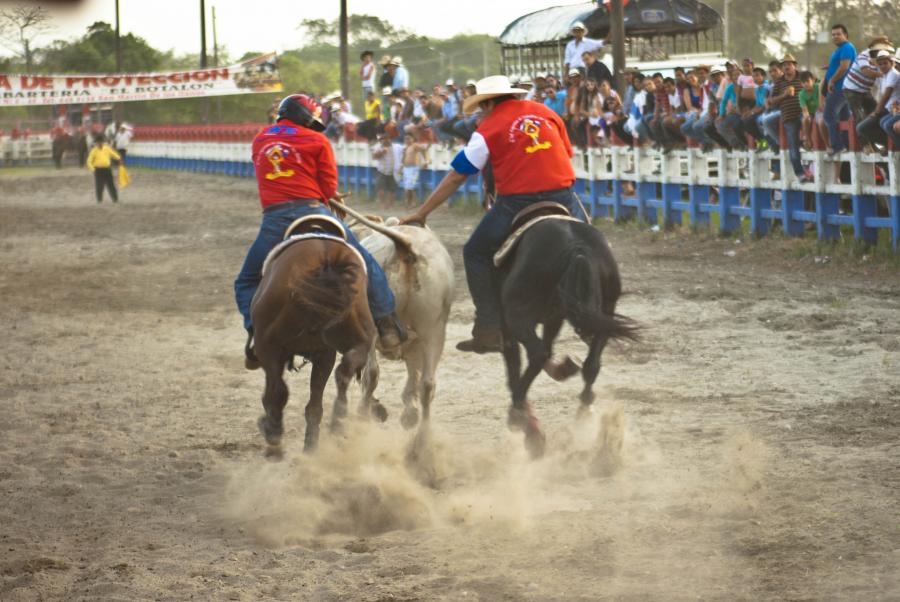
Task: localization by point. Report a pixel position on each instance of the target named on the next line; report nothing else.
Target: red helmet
(302, 110)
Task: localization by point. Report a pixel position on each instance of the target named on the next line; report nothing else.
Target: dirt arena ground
(759, 423)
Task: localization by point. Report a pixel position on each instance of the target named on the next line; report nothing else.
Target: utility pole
(345, 74)
(617, 31)
(726, 35)
(117, 110)
(118, 43)
(808, 39)
(215, 40)
(204, 106)
(203, 63)
(216, 63)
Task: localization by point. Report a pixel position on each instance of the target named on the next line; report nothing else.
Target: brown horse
(311, 302)
(64, 143)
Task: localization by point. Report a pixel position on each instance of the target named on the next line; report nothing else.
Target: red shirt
(527, 145)
(293, 162)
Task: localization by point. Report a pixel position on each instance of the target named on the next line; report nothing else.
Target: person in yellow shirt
(100, 162)
(369, 127)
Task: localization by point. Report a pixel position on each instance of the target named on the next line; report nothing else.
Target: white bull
(420, 273)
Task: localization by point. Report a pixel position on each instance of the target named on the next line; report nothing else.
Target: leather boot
(484, 340)
(391, 332)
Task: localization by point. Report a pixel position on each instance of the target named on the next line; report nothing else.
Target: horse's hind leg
(589, 371)
(322, 364)
(275, 396)
(369, 382)
(352, 362)
(520, 414)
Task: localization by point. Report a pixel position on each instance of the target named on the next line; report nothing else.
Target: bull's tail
(327, 295)
(584, 300)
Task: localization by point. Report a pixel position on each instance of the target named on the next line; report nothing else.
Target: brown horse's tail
(585, 295)
(327, 294)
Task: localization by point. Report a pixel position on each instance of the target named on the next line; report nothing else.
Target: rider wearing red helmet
(297, 174)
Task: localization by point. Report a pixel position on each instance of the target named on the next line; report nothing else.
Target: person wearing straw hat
(399, 73)
(861, 79)
(888, 96)
(526, 145)
(786, 96)
(579, 45)
(890, 123)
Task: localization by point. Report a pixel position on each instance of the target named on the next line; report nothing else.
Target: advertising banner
(259, 74)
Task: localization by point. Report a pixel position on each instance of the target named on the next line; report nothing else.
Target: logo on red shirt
(276, 154)
(530, 125)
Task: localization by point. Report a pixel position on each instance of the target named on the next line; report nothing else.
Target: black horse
(562, 270)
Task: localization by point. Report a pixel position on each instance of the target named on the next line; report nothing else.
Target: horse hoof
(274, 452)
(271, 433)
(410, 417)
(379, 412)
(521, 419)
(560, 371)
(310, 442)
(535, 441)
(585, 411)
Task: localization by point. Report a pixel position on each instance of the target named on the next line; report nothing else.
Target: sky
(267, 25)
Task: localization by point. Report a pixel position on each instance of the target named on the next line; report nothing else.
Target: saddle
(524, 220)
(316, 224)
(312, 227)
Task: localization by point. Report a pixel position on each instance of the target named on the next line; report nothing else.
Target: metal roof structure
(546, 25)
(643, 18)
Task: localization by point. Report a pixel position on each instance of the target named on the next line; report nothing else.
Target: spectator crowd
(739, 105)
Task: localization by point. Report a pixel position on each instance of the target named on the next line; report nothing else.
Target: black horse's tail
(584, 297)
(328, 293)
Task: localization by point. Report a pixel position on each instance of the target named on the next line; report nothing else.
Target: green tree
(95, 52)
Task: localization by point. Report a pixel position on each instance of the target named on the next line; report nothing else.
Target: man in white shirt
(579, 45)
(367, 72)
(888, 94)
(122, 139)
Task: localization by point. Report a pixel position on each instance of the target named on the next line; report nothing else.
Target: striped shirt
(789, 105)
(856, 80)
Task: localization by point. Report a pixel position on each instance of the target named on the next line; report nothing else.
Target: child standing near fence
(414, 157)
(100, 163)
(385, 185)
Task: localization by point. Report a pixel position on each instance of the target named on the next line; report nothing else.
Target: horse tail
(584, 299)
(328, 293)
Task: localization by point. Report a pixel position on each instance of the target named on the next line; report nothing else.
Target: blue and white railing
(730, 186)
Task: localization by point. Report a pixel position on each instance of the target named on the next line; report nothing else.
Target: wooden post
(345, 76)
(617, 32)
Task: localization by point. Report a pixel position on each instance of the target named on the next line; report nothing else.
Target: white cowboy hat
(578, 25)
(450, 82)
(490, 87)
(397, 60)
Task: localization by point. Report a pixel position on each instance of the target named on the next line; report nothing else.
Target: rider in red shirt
(530, 154)
(297, 174)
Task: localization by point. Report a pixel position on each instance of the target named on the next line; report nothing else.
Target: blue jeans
(836, 109)
(271, 232)
(478, 253)
(887, 124)
(869, 129)
(769, 127)
(792, 133)
(687, 128)
(698, 129)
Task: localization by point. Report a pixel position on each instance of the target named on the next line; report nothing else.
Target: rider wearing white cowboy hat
(530, 155)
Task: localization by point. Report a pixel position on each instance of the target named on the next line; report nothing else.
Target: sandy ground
(747, 449)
